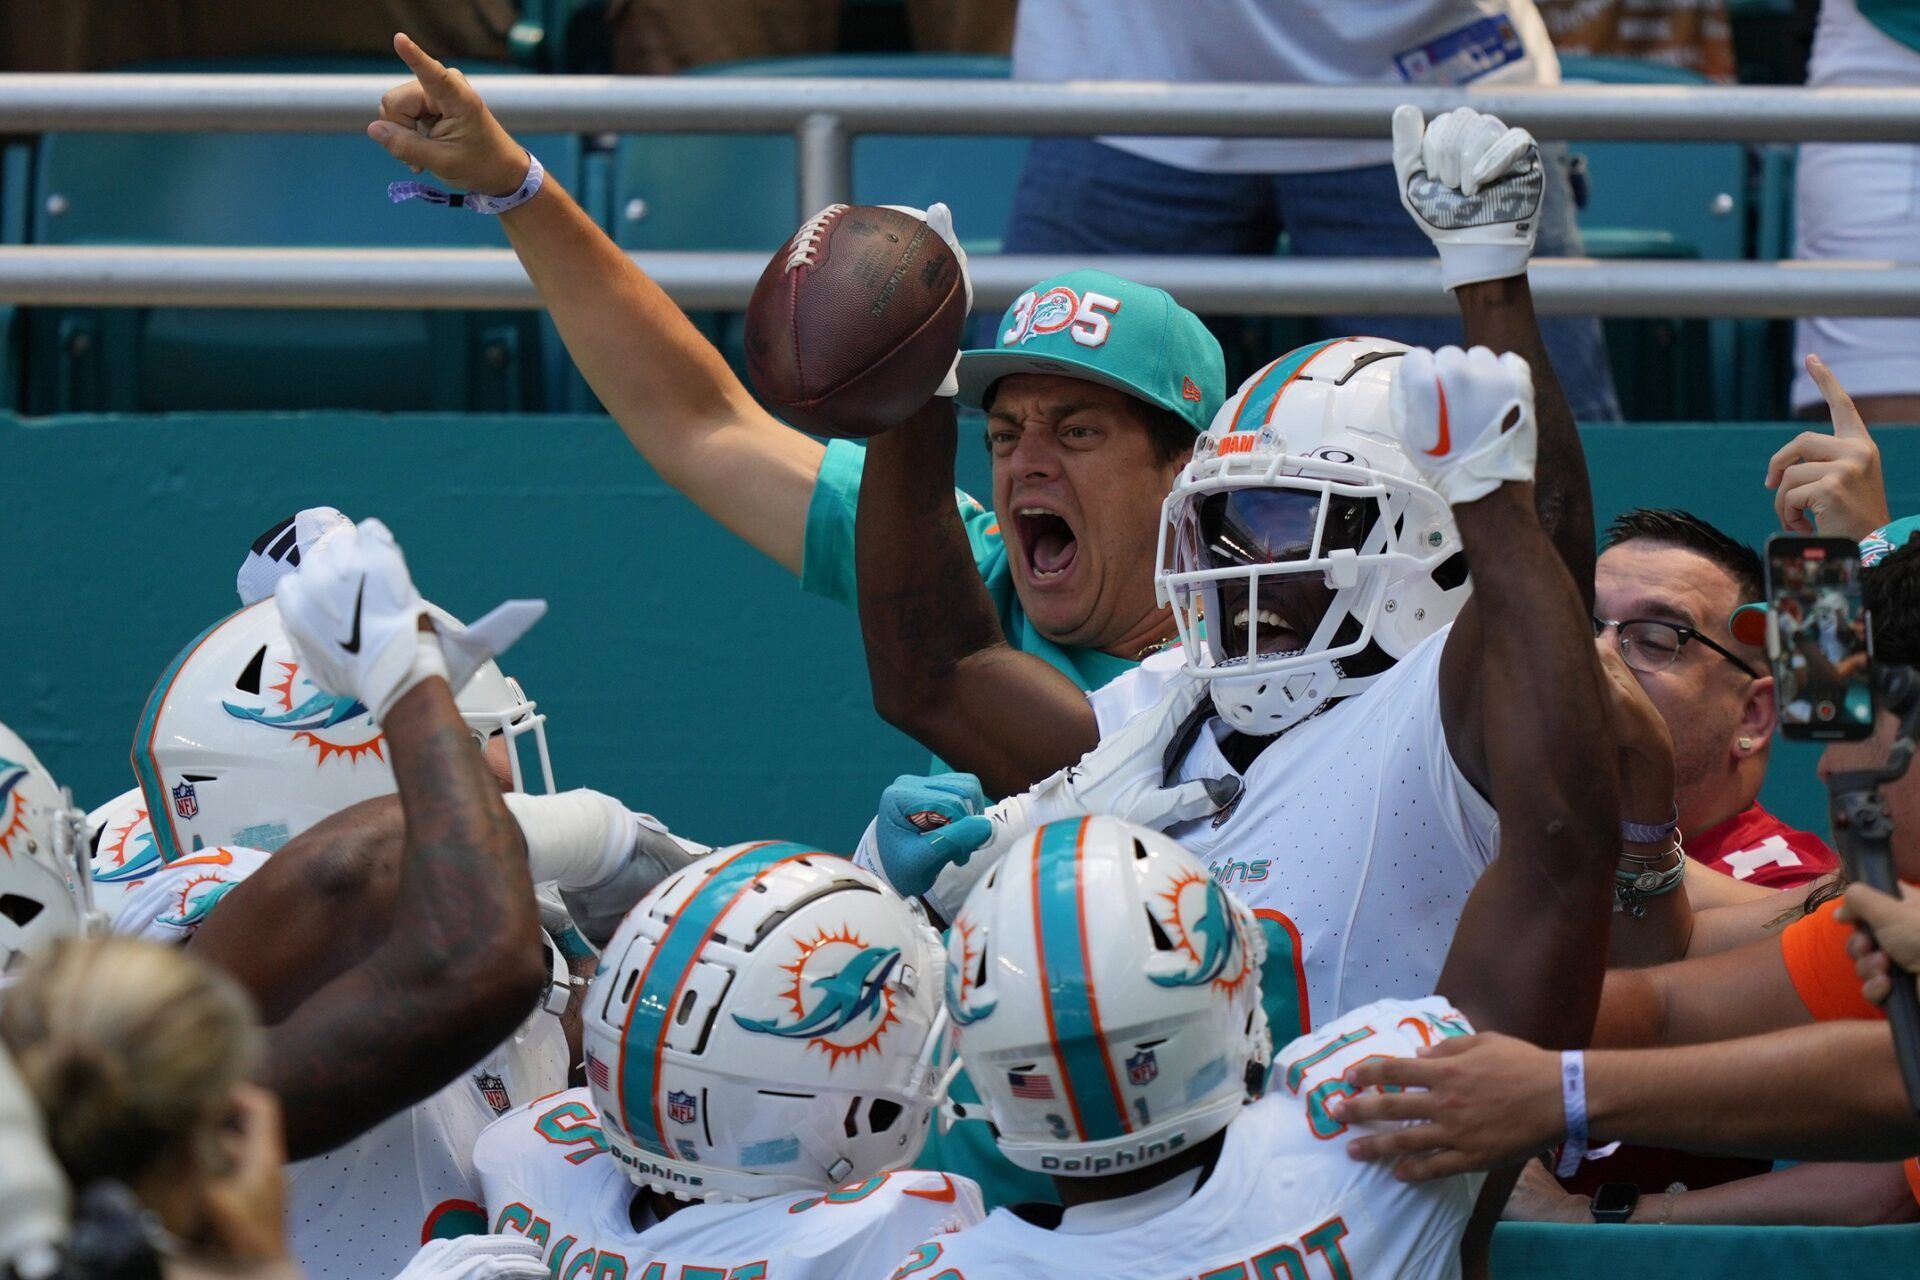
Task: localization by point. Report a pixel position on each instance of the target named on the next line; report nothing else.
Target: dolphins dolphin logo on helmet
(853, 992)
(197, 900)
(321, 711)
(141, 863)
(12, 774)
(1214, 931)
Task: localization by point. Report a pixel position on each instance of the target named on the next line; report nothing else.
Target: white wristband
(1573, 1103)
(576, 839)
(529, 188)
(428, 661)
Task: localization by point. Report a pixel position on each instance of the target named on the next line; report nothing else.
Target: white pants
(1861, 201)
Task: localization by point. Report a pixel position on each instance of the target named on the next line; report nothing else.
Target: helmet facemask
(1282, 571)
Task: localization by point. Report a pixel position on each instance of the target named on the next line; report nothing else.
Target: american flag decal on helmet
(1030, 1085)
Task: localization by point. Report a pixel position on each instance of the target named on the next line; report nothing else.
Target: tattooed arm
(459, 971)
(941, 668)
(316, 909)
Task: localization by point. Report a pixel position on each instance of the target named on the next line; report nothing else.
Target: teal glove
(926, 824)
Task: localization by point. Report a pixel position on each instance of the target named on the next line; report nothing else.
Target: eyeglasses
(1648, 644)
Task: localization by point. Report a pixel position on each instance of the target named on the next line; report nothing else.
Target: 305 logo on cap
(1088, 317)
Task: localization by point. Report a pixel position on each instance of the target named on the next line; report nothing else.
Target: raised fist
(1474, 186)
(1465, 419)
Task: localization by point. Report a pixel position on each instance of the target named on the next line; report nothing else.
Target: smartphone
(1819, 638)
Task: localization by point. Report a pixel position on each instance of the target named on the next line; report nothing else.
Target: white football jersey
(545, 1173)
(1284, 1199)
(1355, 841)
(364, 1210)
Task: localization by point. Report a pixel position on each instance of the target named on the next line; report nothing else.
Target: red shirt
(1760, 849)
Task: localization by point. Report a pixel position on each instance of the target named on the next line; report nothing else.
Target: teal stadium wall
(681, 671)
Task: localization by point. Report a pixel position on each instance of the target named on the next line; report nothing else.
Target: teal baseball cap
(1098, 327)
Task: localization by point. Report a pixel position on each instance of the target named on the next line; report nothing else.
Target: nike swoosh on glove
(477, 1258)
(1465, 419)
(352, 615)
(1474, 186)
(926, 824)
(940, 218)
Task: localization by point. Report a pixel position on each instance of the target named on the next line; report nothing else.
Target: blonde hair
(132, 1050)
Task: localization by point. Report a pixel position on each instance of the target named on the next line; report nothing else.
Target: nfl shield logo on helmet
(494, 1090)
(1143, 1068)
(185, 802)
(681, 1108)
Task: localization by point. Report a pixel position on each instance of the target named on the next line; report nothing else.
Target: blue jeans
(1078, 196)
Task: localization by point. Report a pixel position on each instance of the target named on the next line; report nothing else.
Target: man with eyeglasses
(1665, 592)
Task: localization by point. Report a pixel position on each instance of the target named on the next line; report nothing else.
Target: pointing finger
(1846, 418)
(432, 74)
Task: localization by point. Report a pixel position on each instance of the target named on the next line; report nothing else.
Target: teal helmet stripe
(1066, 985)
(145, 768)
(643, 1039)
(1256, 403)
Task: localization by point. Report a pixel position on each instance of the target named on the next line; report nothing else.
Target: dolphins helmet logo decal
(195, 899)
(963, 970)
(129, 867)
(316, 719)
(839, 994)
(1200, 921)
(13, 804)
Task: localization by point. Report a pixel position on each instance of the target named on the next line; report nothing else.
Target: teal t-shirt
(826, 565)
(827, 569)
(1900, 19)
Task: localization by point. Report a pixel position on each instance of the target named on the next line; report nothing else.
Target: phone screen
(1818, 638)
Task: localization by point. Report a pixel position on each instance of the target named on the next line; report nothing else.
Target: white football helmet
(1299, 550)
(766, 1020)
(237, 747)
(44, 889)
(1105, 998)
(124, 850)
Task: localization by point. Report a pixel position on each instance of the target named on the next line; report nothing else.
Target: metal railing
(825, 115)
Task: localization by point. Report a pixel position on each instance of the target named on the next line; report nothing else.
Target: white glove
(940, 218)
(1465, 419)
(1474, 186)
(352, 615)
(1123, 776)
(477, 1258)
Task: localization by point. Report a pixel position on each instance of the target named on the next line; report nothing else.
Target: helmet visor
(1271, 526)
(1271, 613)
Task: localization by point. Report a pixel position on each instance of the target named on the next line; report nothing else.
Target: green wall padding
(1549, 1251)
(681, 671)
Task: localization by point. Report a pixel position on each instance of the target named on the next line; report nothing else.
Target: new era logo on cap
(1190, 390)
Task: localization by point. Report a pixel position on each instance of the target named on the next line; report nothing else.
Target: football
(855, 321)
